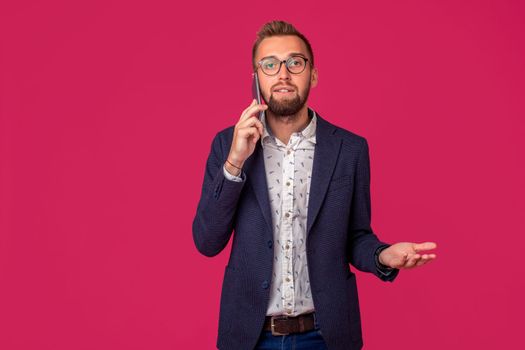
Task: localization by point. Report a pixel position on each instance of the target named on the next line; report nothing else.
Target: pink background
(107, 113)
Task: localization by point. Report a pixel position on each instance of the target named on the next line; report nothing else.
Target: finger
(255, 110)
(261, 129)
(424, 246)
(252, 110)
(248, 132)
(424, 259)
(252, 122)
(412, 261)
(430, 256)
(244, 111)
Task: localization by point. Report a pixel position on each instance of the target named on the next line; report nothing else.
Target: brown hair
(279, 28)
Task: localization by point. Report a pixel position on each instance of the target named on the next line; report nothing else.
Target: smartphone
(256, 92)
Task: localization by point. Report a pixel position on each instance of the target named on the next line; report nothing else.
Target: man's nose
(283, 73)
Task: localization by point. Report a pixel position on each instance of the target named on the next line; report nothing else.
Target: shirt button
(265, 285)
(287, 215)
(289, 152)
(288, 183)
(270, 243)
(287, 279)
(287, 246)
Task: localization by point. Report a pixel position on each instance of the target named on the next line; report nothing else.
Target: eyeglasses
(272, 66)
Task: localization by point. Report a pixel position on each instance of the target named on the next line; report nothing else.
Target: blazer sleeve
(362, 241)
(213, 222)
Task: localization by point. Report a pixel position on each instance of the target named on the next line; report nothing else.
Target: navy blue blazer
(338, 233)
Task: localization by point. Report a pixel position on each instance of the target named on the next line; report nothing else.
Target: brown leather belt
(284, 325)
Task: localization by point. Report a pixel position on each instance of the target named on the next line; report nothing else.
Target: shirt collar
(307, 133)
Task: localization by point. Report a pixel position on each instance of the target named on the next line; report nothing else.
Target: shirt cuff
(233, 177)
(382, 269)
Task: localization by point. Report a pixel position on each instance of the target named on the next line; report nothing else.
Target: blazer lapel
(256, 176)
(325, 157)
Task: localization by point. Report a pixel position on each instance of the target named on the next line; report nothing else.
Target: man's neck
(284, 126)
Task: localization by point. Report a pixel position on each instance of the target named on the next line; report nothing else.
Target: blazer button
(270, 243)
(265, 284)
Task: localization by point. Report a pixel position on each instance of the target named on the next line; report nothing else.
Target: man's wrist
(378, 259)
(232, 168)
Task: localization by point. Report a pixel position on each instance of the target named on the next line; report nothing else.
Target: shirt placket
(287, 226)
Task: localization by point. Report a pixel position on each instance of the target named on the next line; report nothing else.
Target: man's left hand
(406, 255)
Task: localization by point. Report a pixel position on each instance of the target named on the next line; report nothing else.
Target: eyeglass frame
(306, 60)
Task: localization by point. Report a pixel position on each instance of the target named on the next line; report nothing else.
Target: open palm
(406, 255)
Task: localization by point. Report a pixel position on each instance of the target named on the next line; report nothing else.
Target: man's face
(285, 103)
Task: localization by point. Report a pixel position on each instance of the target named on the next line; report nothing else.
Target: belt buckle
(278, 317)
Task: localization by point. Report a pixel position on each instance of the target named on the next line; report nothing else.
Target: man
(299, 203)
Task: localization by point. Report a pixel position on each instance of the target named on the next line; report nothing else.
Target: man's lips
(283, 90)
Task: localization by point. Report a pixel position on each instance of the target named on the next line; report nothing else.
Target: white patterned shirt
(288, 173)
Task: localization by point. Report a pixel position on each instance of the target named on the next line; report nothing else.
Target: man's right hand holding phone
(247, 132)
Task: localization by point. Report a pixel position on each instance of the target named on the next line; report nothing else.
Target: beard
(288, 106)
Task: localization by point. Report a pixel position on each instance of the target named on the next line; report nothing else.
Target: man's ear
(314, 77)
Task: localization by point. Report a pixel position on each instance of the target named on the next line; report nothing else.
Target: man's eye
(295, 63)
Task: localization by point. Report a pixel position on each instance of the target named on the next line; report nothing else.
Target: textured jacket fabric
(338, 233)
